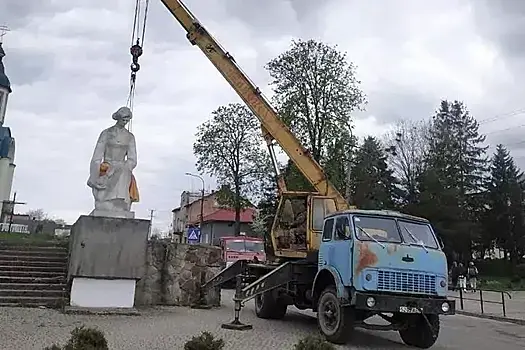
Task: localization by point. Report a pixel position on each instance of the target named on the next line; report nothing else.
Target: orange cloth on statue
(103, 168)
(133, 190)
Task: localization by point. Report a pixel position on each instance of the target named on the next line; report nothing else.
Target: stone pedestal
(107, 257)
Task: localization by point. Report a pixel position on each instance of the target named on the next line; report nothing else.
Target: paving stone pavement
(168, 328)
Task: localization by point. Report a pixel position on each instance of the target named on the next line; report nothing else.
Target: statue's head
(123, 115)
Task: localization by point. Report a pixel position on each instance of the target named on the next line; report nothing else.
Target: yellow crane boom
(251, 95)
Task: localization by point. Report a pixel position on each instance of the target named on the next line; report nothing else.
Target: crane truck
(346, 264)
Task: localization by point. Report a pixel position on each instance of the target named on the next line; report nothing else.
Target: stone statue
(110, 174)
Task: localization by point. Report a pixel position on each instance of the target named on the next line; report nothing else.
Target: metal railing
(14, 228)
(482, 301)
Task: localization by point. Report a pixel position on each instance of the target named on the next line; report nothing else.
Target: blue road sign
(194, 234)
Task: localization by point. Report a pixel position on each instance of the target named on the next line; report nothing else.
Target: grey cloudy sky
(68, 61)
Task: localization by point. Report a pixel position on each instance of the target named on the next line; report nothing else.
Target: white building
(7, 142)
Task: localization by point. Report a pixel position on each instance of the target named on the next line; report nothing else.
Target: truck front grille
(407, 282)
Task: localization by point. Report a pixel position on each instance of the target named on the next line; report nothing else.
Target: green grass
(501, 283)
(31, 238)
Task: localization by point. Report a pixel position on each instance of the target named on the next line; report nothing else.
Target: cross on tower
(3, 31)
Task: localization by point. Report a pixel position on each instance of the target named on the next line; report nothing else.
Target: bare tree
(37, 214)
(407, 144)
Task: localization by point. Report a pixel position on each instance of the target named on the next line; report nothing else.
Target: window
(417, 233)
(245, 246)
(373, 228)
(321, 207)
(3, 102)
(342, 228)
(327, 230)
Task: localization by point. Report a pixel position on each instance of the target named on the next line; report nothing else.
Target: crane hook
(136, 52)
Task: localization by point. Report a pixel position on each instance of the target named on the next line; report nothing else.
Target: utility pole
(202, 199)
(151, 215)
(13, 203)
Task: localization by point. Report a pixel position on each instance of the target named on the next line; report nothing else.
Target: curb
(492, 317)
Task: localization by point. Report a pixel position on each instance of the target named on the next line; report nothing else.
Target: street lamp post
(202, 198)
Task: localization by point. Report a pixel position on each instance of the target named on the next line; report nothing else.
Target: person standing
(472, 273)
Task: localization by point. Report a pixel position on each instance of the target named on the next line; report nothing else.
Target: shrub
(53, 347)
(314, 343)
(520, 271)
(83, 338)
(205, 341)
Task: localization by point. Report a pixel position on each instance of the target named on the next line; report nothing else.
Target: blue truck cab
(380, 263)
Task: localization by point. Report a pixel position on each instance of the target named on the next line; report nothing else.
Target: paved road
(168, 328)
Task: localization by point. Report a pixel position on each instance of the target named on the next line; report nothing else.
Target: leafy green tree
(340, 152)
(373, 183)
(454, 176)
(315, 93)
(267, 209)
(505, 205)
(229, 147)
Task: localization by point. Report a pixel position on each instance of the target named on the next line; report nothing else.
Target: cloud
(68, 61)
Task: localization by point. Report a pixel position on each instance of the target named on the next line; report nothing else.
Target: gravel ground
(169, 327)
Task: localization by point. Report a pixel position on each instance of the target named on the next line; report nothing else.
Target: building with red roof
(218, 221)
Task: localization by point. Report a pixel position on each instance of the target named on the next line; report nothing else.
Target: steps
(33, 274)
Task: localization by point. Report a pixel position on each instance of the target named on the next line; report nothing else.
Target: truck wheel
(335, 322)
(269, 307)
(420, 333)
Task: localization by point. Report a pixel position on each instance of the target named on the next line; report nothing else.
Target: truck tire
(420, 333)
(335, 322)
(269, 307)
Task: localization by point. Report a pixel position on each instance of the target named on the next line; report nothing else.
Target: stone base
(108, 248)
(102, 293)
(113, 214)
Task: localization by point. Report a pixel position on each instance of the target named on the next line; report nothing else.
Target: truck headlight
(445, 307)
(443, 283)
(370, 302)
(368, 277)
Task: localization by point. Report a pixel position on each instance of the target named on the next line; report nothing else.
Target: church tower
(7, 142)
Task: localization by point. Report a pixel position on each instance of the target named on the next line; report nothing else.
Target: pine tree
(374, 186)
(505, 205)
(454, 176)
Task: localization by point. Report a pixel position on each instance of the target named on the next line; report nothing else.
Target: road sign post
(194, 235)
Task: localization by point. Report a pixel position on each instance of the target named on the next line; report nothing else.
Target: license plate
(409, 310)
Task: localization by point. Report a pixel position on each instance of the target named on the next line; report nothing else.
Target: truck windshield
(245, 246)
(418, 233)
(370, 228)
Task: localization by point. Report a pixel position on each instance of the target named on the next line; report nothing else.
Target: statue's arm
(131, 160)
(98, 155)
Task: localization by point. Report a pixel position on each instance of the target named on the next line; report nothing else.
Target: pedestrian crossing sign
(194, 234)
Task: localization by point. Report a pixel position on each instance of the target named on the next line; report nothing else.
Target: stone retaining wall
(174, 273)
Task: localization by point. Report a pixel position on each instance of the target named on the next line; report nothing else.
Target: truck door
(342, 249)
(326, 244)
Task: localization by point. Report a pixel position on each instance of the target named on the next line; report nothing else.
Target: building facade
(7, 141)
(218, 221)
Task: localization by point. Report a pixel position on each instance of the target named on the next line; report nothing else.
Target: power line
(501, 116)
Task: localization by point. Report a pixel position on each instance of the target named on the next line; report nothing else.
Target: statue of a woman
(110, 176)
